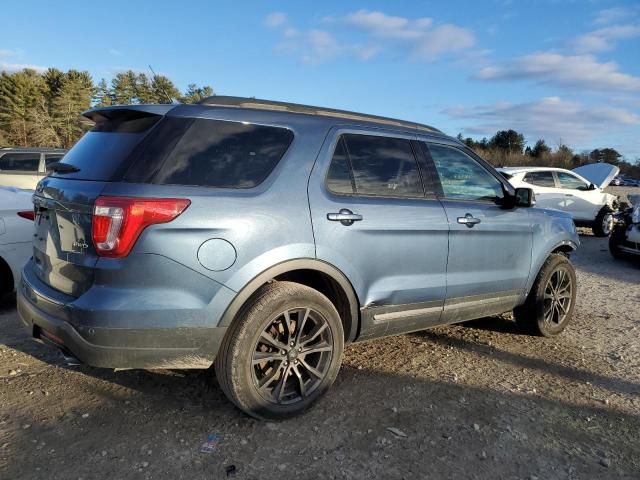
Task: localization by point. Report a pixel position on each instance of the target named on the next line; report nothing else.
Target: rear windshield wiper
(60, 167)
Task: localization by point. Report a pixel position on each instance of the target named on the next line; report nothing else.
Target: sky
(567, 71)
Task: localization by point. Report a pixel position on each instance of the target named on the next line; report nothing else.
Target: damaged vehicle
(579, 192)
(624, 242)
(261, 237)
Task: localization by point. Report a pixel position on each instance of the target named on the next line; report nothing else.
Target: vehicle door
(20, 169)
(489, 245)
(376, 218)
(546, 189)
(581, 202)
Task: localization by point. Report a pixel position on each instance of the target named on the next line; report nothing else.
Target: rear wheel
(603, 224)
(549, 306)
(283, 351)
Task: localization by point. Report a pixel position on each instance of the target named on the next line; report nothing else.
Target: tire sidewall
(256, 320)
(556, 262)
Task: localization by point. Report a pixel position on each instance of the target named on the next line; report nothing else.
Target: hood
(600, 174)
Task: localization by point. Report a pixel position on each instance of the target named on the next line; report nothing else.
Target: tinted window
(104, 151)
(569, 181)
(49, 159)
(541, 179)
(212, 153)
(20, 162)
(462, 177)
(339, 178)
(383, 166)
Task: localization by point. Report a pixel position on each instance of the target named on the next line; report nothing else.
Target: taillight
(28, 214)
(119, 221)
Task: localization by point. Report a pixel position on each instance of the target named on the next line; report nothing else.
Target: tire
(259, 333)
(603, 224)
(541, 315)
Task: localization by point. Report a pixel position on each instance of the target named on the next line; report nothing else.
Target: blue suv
(261, 237)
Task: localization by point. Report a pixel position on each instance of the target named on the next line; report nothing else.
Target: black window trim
(340, 133)
(506, 186)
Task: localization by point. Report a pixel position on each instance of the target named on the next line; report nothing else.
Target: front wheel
(603, 224)
(282, 352)
(549, 306)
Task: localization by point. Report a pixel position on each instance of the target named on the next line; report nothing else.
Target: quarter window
(541, 179)
(339, 179)
(569, 181)
(381, 166)
(20, 162)
(463, 178)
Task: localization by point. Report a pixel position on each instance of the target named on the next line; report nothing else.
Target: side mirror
(525, 197)
(592, 187)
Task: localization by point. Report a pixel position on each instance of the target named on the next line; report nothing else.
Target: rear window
(210, 153)
(102, 153)
(20, 162)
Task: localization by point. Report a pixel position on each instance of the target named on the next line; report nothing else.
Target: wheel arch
(313, 273)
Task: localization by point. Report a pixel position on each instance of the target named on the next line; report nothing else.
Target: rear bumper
(107, 344)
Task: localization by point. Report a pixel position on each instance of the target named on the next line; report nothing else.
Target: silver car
(261, 237)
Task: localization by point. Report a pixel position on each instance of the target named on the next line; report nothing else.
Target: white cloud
(578, 71)
(551, 118)
(612, 15)
(427, 39)
(276, 19)
(604, 39)
(16, 67)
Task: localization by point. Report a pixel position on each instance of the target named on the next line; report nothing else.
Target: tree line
(507, 148)
(43, 109)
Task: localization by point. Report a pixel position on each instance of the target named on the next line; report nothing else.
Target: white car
(16, 235)
(25, 167)
(579, 191)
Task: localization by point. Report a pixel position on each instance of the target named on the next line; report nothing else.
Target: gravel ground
(477, 400)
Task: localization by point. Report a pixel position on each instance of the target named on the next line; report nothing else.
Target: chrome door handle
(344, 216)
(468, 220)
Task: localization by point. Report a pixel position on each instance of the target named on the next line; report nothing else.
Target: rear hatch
(64, 256)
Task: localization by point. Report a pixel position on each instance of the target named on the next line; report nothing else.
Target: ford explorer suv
(261, 237)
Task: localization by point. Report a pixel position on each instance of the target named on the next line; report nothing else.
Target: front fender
(552, 230)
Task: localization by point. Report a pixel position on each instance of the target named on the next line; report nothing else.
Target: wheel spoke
(303, 387)
(261, 357)
(266, 381)
(269, 340)
(317, 348)
(311, 370)
(279, 390)
(313, 335)
(301, 324)
(287, 325)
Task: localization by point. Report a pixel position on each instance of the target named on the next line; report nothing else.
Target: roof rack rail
(258, 104)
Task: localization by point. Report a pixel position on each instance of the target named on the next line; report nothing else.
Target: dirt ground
(472, 401)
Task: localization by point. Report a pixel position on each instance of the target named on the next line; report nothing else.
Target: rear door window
(541, 179)
(210, 153)
(381, 166)
(20, 162)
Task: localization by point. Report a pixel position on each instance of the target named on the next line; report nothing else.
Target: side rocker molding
(289, 266)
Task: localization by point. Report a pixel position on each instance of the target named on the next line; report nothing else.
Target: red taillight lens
(28, 214)
(119, 221)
